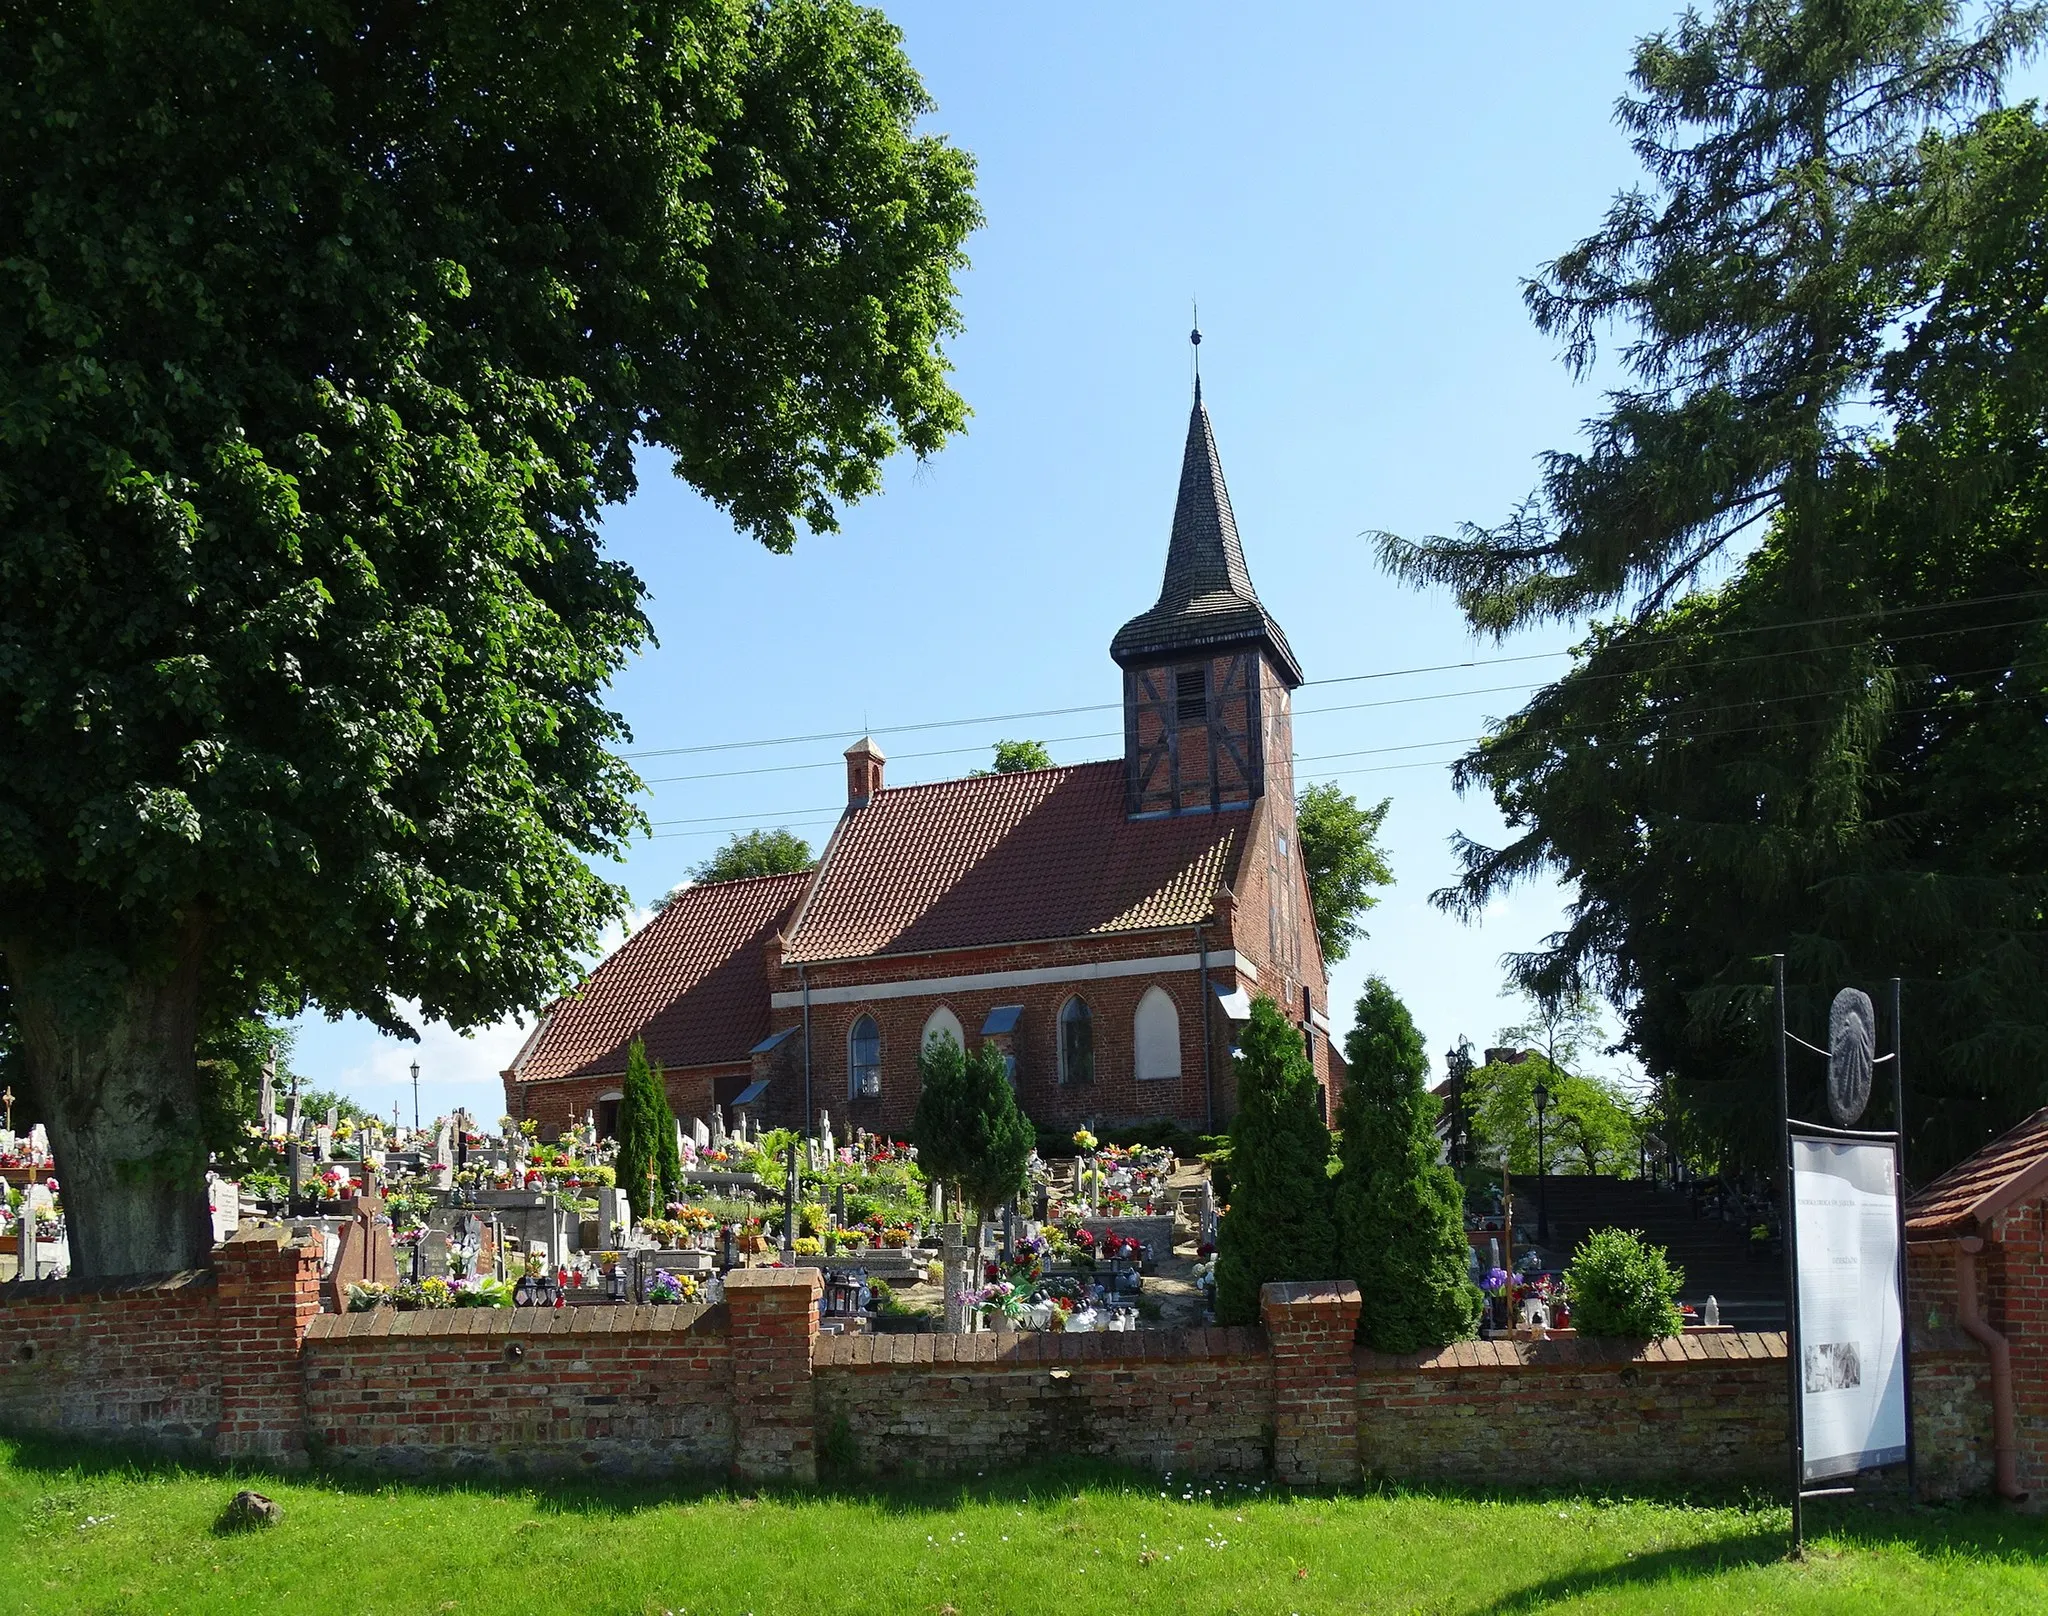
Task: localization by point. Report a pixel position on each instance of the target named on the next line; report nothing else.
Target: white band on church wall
(1224, 959)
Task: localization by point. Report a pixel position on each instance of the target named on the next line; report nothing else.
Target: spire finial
(1195, 342)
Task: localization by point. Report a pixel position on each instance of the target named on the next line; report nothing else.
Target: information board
(1852, 1372)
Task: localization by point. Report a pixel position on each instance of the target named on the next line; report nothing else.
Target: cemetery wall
(133, 1361)
(1698, 1408)
(608, 1391)
(1198, 1402)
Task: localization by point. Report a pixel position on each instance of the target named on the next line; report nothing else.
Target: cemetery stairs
(1715, 1254)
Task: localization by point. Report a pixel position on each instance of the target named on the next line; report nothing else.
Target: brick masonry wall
(1193, 1401)
(237, 1363)
(1701, 1408)
(630, 1390)
(269, 1294)
(136, 1361)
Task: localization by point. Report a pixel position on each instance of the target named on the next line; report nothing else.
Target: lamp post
(1542, 1178)
(415, 1096)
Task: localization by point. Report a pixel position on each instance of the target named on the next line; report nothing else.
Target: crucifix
(7, 1099)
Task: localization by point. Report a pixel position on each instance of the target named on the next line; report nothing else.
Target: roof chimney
(864, 762)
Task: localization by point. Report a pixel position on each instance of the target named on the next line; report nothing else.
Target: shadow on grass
(569, 1493)
(1979, 1529)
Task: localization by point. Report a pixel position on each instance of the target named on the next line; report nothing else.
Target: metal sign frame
(1790, 1128)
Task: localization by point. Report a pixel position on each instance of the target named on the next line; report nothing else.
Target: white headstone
(39, 1141)
(224, 1201)
(323, 1139)
(700, 1133)
(267, 1102)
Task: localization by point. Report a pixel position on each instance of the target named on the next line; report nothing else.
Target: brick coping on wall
(1033, 1347)
(640, 1318)
(1583, 1352)
(22, 1292)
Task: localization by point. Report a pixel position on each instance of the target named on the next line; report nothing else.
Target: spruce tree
(1400, 1214)
(642, 1113)
(996, 1135)
(1279, 1225)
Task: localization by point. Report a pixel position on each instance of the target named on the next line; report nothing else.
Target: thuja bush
(1621, 1285)
(1279, 1225)
(1400, 1214)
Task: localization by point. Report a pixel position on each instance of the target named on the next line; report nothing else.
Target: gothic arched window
(1077, 1043)
(942, 1023)
(864, 1060)
(1156, 1034)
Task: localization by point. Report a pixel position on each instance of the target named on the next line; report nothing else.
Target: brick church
(1105, 924)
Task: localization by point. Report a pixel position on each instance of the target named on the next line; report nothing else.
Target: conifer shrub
(649, 1167)
(1621, 1285)
(1400, 1213)
(1279, 1226)
(969, 1130)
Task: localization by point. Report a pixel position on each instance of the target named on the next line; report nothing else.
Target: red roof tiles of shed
(692, 982)
(2012, 1168)
(1006, 858)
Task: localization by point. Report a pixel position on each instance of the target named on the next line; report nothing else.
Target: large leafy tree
(1279, 1224)
(326, 333)
(1819, 496)
(756, 852)
(1400, 1211)
(1343, 860)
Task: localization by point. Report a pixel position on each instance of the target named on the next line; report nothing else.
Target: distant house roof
(1206, 601)
(2011, 1169)
(1009, 858)
(692, 982)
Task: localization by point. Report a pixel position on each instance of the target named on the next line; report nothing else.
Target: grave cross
(7, 1099)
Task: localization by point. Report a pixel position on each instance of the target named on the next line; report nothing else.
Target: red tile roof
(2012, 1168)
(1010, 858)
(692, 982)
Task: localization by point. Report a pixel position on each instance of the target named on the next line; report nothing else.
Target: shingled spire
(1206, 601)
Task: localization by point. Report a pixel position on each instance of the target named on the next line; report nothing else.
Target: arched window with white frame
(864, 1059)
(1077, 1042)
(942, 1023)
(1155, 1033)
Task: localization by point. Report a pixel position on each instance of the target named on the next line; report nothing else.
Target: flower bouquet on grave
(898, 1236)
(668, 1290)
(750, 1240)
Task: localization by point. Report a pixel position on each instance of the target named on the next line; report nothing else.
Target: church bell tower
(1208, 676)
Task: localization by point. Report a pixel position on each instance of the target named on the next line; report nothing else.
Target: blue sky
(1354, 194)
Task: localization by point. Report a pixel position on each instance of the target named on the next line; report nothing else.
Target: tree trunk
(109, 1053)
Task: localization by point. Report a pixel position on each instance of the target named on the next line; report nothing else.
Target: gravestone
(224, 1202)
(267, 1101)
(700, 1133)
(362, 1253)
(959, 1268)
(433, 1250)
(614, 1216)
(718, 1127)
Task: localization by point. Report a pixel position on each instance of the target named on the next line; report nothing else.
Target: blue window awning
(1234, 1001)
(773, 1039)
(1002, 1019)
(752, 1093)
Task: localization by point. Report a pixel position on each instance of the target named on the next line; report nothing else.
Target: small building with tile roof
(1977, 1267)
(1105, 924)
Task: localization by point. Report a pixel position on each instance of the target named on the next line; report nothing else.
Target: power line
(1393, 701)
(1682, 713)
(1336, 679)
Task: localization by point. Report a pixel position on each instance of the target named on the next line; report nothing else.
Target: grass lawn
(86, 1530)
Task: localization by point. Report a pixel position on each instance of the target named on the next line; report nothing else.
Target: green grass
(86, 1530)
